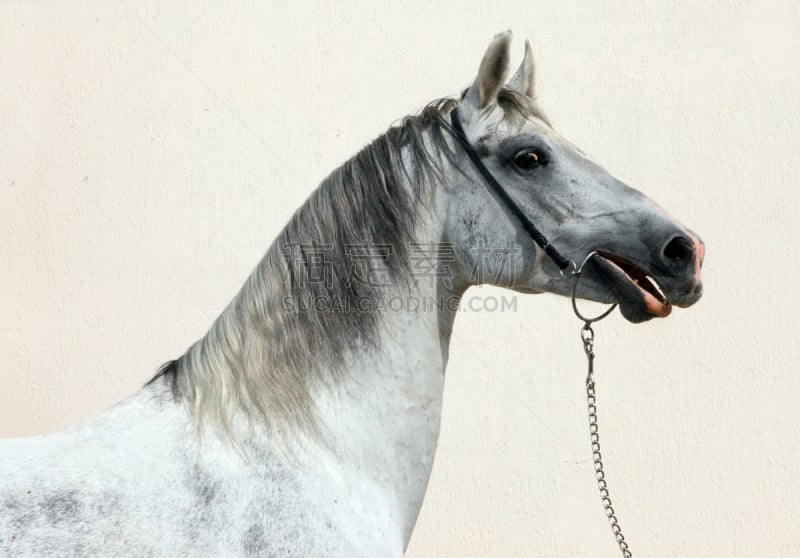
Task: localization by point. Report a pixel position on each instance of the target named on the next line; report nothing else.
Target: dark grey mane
(272, 345)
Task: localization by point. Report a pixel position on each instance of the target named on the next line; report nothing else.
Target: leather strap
(495, 186)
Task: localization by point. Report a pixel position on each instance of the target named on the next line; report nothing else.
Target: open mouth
(635, 285)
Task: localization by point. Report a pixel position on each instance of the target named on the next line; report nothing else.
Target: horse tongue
(656, 307)
(635, 303)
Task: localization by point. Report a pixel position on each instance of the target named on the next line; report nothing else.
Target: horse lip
(687, 299)
(635, 283)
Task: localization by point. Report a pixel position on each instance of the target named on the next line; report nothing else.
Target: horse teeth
(657, 287)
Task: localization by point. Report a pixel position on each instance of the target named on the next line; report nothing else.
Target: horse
(305, 421)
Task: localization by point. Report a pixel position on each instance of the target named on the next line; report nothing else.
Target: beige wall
(148, 155)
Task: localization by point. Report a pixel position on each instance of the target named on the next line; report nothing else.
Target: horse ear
(492, 73)
(523, 80)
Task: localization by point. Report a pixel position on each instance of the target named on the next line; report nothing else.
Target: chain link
(587, 337)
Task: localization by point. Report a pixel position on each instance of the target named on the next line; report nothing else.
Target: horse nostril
(678, 250)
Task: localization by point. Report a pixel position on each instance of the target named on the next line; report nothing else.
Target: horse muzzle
(647, 288)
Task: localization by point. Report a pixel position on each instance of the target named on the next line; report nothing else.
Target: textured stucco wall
(149, 154)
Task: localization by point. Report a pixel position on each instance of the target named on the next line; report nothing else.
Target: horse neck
(369, 385)
(384, 420)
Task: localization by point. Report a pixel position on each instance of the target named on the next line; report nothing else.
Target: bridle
(492, 183)
(569, 270)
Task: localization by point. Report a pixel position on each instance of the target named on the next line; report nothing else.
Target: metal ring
(577, 275)
(571, 273)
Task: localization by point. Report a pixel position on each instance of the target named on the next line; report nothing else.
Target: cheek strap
(492, 183)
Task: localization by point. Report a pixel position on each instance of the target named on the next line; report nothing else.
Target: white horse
(305, 422)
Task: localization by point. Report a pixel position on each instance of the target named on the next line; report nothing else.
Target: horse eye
(528, 159)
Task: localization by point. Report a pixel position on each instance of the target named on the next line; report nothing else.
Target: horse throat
(382, 423)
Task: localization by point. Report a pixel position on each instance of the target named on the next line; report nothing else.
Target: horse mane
(263, 358)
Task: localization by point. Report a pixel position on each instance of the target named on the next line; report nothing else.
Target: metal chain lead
(587, 336)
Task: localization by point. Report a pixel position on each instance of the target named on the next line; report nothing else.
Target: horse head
(647, 261)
